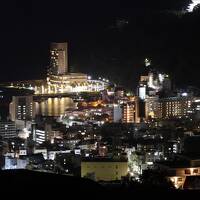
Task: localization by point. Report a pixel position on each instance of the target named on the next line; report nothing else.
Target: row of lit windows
(194, 171)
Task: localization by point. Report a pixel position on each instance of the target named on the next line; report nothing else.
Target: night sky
(100, 41)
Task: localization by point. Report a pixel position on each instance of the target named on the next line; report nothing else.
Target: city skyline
(100, 95)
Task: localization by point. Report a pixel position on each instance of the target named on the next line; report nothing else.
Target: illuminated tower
(22, 108)
(128, 113)
(59, 59)
(131, 111)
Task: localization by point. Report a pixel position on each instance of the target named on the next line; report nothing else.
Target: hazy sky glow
(195, 2)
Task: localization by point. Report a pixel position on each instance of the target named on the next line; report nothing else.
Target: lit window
(180, 179)
(187, 171)
(195, 171)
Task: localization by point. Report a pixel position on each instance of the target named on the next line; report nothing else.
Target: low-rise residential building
(104, 169)
(178, 170)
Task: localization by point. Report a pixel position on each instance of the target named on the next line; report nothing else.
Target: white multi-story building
(22, 108)
(117, 113)
(8, 129)
(15, 163)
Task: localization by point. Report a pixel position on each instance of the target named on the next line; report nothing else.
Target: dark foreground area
(37, 184)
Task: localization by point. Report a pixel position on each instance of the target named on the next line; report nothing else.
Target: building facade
(151, 107)
(104, 169)
(177, 107)
(178, 171)
(130, 111)
(116, 113)
(58, 59)
(22, 108)
(8, 129)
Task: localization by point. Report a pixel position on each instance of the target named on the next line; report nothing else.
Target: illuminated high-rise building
(178, 107)
(22, 108)
(130, 111)
(61, 78)
(59, 59)
(8, 129)
(151, 107)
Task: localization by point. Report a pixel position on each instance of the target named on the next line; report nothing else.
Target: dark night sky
(97, 45)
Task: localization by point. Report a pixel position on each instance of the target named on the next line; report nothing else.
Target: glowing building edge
(69, 83)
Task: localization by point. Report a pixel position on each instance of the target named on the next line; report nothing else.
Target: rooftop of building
(175, 98)
(104, 159)
(190, 156)
(87, 142)
(175, 164)
(26, 82)
(69, 74)
(182, 161)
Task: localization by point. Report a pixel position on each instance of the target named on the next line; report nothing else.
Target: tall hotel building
(177, 107)
(59, 58)
(130, 111)
(174, 107)
(59, 80)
